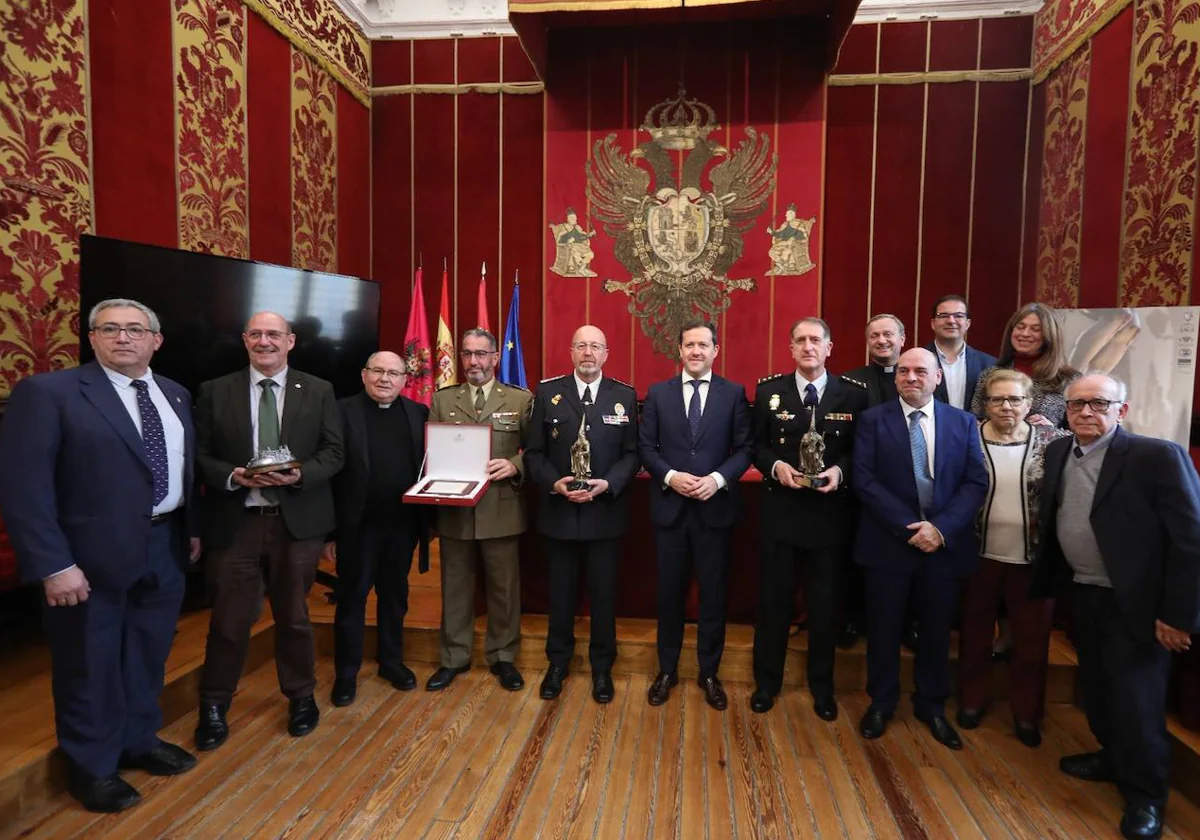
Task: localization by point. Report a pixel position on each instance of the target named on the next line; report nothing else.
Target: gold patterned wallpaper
(314, 165)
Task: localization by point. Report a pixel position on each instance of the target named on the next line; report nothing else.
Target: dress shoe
(761, 701)
(1028, 734)
(443, 676)
(401, 677)
(344, 691)
(1142, 821)
(602, 687)
(714, 693)
(660, 689)
(510, 678)
(164, 760)
(873, 723)
(1091, 767)
(303, 716)
(942, 731)
(825, 707)
(103, 795)
(848, 638)
(212, 730)
(552, 683)
(969, 718)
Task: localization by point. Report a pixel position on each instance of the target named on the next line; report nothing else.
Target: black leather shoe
(510, 678)
(401, 677)
(969, 718)
(714, 693)
(164, 760)
(1028, 734)
(849, 636)
(1142, 821)
(1091, 767)
(443, 676)
(873, 723)
(106, 795)
(761, 701)
(942, 731)
(212, 730)
(303, 716)
(602, 688)
(660, 689)
(825, 707)
(344, 691)
(552, 683)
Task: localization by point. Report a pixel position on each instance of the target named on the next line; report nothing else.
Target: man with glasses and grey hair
(1120, 528)
(384, 436)
(492, 528)
(97, 494)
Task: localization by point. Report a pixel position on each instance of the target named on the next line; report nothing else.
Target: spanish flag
(445, 369)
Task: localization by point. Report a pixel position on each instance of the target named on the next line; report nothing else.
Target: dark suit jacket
(613, 434)
(806, 518)
(887, 488)
(311, 428)
(880, 385)
(350, 484)
(1146, 518)
(725, 445)
(76, 486)
(977, 363)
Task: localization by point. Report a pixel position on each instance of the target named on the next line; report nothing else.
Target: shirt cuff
(720, 479)
(774, 467)
(229, 483)
(60, 572)
(667, 478)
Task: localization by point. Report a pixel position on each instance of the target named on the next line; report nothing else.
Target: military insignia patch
(774, 402)
(619, 409)
(556, 399)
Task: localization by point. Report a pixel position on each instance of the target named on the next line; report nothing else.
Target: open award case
(454, 469)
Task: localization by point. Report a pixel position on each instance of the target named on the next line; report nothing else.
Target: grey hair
(287, 325)
(113, 303)
(887, 315)
(1122, 388)
(480, 332)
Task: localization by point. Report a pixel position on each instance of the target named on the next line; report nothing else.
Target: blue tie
(154, 439)
(810, 395)
(920, 456)
(694, 408)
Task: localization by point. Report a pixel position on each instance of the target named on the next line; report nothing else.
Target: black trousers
(600, 558)
(378, 553)
(1125, 694)
(708, 548)
(776, 606)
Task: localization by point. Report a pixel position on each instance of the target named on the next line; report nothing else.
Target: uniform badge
(620, 409)
(556, 399)
(785, 416)
(774, 403)
(554, 433)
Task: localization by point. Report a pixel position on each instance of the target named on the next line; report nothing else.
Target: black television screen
(204, 301)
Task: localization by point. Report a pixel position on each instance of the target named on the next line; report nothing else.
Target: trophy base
(813, 481)
(270, 468)
(579, 484)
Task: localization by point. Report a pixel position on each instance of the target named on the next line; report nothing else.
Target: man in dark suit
(885, 341)
(583, 526)
(266, 529)
(96, 490)
(960, 363)
(919, 473)
(813, 525)
(1120, 527)
(696, 442)
(376, 532)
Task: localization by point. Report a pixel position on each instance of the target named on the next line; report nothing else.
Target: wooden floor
(480, 762)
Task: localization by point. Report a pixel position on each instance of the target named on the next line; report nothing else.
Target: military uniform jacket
(612, 431)
(805, 517)
(501, 511)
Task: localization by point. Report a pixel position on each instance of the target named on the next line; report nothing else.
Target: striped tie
(920, 456)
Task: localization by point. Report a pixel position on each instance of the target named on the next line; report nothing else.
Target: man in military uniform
(490, 529)
(583, 525)
(808, 525)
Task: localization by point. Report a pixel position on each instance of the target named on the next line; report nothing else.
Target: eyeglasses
(999, 401)
(1098, 405)
(946, 316)
(136, 332)
(584, 346)
(273, 335)
(476, 354)
(379, 373)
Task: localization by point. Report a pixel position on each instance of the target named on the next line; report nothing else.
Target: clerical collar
(884, 368)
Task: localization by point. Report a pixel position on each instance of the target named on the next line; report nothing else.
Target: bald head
(384, 376)
(917, 376)
(589, 352)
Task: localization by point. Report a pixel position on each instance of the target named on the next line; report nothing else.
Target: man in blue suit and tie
(696, 441)
(96, 493)
(920, 476)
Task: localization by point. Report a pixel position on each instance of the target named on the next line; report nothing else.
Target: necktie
(268, 428)
(154, 439)
(810, 395)
(586, 399)
(479, 400)
(1078, 451)
(920, 456)
(694, 408)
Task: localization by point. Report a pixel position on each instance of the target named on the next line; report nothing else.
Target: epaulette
(452, 385)
(554, 378)
(854, 381)
(618, 381)
(769, 377)
(514, 387)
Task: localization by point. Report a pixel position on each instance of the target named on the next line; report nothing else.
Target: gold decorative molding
(930, 77)
(519, 88)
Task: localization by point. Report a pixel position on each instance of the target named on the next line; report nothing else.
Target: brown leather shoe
(714, 694)
(660, 689)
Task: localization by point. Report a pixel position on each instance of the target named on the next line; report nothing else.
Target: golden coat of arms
(680, 240)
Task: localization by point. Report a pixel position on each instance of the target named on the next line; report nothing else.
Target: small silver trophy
(271, 460)
(812, 455)
(581, 459)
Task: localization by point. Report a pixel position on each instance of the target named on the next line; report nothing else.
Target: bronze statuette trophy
(272, 460)
(581, 458)
(812, 455)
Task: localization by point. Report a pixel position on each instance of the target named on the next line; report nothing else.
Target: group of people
(952, 483)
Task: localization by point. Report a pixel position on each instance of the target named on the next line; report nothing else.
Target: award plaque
(812, 455)
(272, 460)
(581, 459)
(454, 469)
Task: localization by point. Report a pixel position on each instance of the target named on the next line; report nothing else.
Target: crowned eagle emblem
(677, 207)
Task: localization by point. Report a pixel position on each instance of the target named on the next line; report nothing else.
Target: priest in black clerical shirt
(885, 341)
(376, 531)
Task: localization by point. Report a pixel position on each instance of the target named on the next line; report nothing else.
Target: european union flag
(512, 364)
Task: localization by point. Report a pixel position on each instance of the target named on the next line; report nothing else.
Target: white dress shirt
(927, 427)
(954, 374)
(580, 385)
(255, 497)
(172, 430)
(706, 379)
